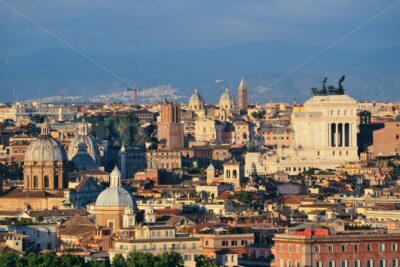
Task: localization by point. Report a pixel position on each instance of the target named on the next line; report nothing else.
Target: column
(329, 134)
(337, 134)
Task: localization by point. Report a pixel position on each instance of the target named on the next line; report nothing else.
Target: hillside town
(230, 184)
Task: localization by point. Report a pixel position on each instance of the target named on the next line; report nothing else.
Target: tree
(119, 261)
(203, 261)
(169, 259)
(69, 260)
(140, 259)
(9, 259)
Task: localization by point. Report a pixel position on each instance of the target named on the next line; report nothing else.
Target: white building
(325, 136)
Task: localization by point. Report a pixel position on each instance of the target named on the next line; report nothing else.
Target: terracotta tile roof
(5, 249)
(166, 211)
(77, 226)
(224, 195)
(19, 193)
(64, 212)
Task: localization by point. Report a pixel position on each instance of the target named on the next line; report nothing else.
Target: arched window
(228, 174)
(55, 181)
(35, 181)
(46, 182)
(234, 174)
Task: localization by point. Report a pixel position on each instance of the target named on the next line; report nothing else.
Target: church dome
(196, 98)
(89, 141)
(45, 148)
(227, 96)
(196, 102)
(82, 160)
(115, 195)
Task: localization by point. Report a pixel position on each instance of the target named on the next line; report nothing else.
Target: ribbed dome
(82, 160)
(45, 148)
(115, 197)
(89, 141)
(92, 147)
(227, 96)
(196, 98)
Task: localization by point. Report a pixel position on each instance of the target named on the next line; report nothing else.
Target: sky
(132, 26)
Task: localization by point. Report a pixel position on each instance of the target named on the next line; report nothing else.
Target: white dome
(45, 148)
(196, 98)
(227, 96)
(115, 197)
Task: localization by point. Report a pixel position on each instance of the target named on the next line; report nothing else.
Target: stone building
(115, 207)
(325, 136)
(313, 245)
(208, 130)
(242, 95)
(278, 136)
(170, 128)
(232, 173)
(45, 176)
(45, 163)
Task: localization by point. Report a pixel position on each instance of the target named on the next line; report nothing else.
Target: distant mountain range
(374, 76)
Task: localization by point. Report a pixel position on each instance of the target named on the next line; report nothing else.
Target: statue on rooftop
(330, 89)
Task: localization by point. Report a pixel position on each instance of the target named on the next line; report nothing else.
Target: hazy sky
(130, 26)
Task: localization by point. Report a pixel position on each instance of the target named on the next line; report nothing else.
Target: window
(331, 264)
(289, 248)
(395, 263)
(281, 247)
(234, 174)
(233, 243)
(224, 243)
(317, 249)
(297, 248)
(382, 247)
(369, 248)
(297, 264)
(356, 247)
(330, 248)
(370, 263)
(343, 248)
(395, 247)
(344, 263)
(46, 182)
(318, 264)
(382, 263)
(357, 263)
(35, 181)
(289, 263)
